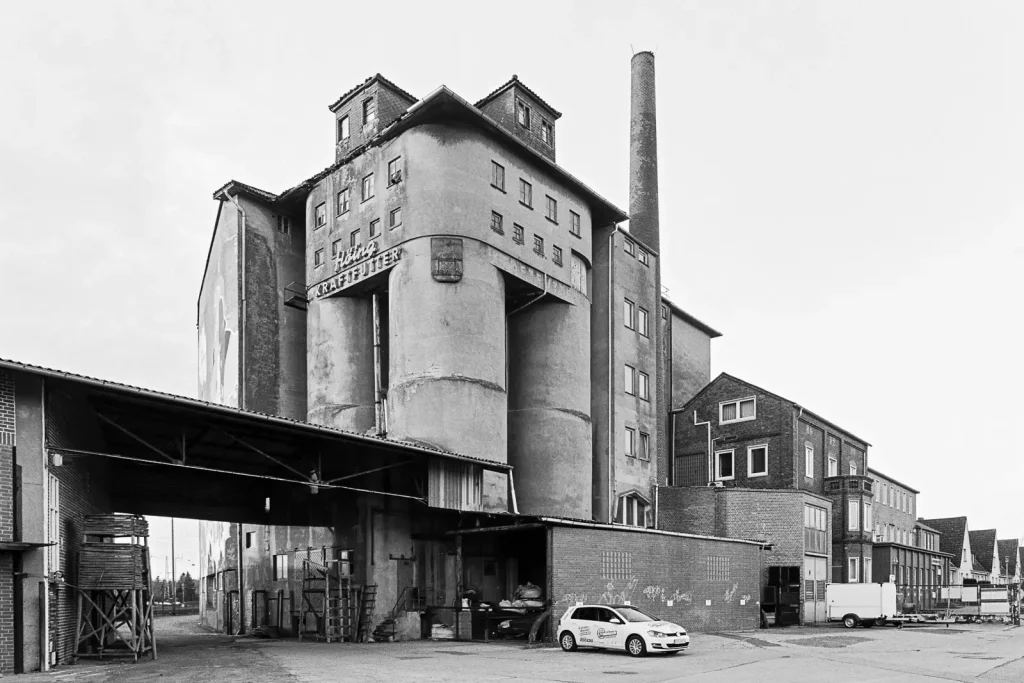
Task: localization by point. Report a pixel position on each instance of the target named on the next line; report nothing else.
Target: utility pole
(174, 592)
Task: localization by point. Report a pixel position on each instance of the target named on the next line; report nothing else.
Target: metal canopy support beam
(306, 477)
(137, 438)
(75, 451)
(375, 469)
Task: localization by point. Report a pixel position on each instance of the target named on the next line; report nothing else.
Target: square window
(320, 214)
(368, 187)
(538, 245)
(547, 132)
(369, 111)
(552, 209)
(517, 234)
(496, 223)
(374, 228)
(497, 176)
(645, 386)
(630, 380)
(318, 258)
(556, 255)
(395, 218)
(737, 411)
(724, 465)
(353, 238)
(628, 314)
(641, 321)
(394, 171)
(757, 461)
(645, 446)
(525, 193)
(522, 113)
(643, 257)
(574, 223)
(343, 131)
(630, 247)
(343, 201)
(630, 442)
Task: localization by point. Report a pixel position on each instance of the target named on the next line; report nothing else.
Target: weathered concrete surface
(550, 435)
(340, 353)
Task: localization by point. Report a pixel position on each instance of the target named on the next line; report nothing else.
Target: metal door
(815, 577)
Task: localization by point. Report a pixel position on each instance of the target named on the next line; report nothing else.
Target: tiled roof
(197, 403)
(983, 545)
(952, 530)
(508, 84)
(376, 77)
(1008, 556)
(235, 187)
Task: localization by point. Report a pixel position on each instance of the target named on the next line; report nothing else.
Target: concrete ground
(985, 652)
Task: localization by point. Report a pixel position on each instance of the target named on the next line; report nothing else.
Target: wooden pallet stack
(115, 596)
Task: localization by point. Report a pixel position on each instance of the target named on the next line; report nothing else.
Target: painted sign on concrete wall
(354, 265)
(446, 259)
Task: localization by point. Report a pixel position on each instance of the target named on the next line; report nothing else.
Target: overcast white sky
(842, 185)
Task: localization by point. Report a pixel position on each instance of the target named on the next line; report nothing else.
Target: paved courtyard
(959, 653)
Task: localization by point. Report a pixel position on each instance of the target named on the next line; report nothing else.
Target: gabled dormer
(524, 114)
(364, 111)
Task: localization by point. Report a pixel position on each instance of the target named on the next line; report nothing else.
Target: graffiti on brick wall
(731, 593)
(654, 593)
(626, 594)
(680, 596)
(573, 598)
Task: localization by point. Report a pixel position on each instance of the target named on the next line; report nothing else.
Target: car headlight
(657, 634)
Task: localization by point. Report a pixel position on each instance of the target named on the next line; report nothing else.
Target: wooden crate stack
(115, 596)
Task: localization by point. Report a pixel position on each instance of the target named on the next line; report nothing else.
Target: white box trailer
(856, 604)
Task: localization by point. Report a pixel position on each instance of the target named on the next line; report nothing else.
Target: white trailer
(857, 604)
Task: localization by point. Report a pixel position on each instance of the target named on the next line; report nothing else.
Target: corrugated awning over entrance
(173, 455)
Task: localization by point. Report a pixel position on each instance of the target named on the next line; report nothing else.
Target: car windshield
(633, 614)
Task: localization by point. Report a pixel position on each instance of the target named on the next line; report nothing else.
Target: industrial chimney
(643, 153)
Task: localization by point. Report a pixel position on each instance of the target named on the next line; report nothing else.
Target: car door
(584, 623)
(609, 634)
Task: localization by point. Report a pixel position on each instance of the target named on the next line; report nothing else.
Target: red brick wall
(650, 570)
(6, 521)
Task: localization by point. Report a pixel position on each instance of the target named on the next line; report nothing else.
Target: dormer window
(547, 132)
(522, 113)
(369, 111)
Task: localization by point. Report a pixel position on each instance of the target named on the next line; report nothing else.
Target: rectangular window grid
(525, 193)
(645, 446)
(374, 227)
(538, 245)
(497, 176)
(630, 380)
(643, 257)
(556, 255)
(737, 411)
(552, 209)
(353, 238)
(628, 314)
(616, 565)
(645, 386)
(641, 321)
(630, 442)
(343, 201)
(630, 247)
(321, 215)
(394, 171)
(718, 568)
(318, 258)
(497, 222)
(518, 234)
(368, 187)
(395, 218)
(574, 224)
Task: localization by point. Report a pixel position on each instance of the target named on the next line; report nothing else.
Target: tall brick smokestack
(643, 153)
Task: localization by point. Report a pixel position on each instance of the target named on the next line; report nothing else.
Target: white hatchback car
(619, 627)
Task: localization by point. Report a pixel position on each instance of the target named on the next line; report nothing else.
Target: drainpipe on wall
(611, 375)
(241, 582)
(378, 405)
(707, 424)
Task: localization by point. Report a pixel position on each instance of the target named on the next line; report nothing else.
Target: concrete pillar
(447, 359)
(339, 343)
(550, 434)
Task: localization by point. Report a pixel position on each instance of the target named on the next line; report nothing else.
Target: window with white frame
(280, 568)
(645, 386)
(853, 469)
(632, 510)
(883, 494)
(641, 321)
(629, 379)
(574, 224)
(645, 446)
(630, 442)
(643, 256)
(853, 516)
(320, 215)
(757, 461)
(724, 465)
(833, 466)
(739, 410)
(630, 247)
(867, 570)
(868, 519)
(368, 187)
(53, 524)
(629, 313)
(854, 570)
(809, 460)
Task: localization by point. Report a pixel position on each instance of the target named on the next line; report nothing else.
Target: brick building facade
(735, 434)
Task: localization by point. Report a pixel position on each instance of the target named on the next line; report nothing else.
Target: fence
(161, 609)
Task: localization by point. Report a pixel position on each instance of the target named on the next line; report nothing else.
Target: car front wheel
(568, 642)
(636, 646)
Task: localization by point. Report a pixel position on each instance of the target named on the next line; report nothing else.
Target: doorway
(815, 578)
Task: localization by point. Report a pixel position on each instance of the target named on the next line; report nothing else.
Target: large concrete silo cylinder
(339, 352)
(549, 409)
(447, 358)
